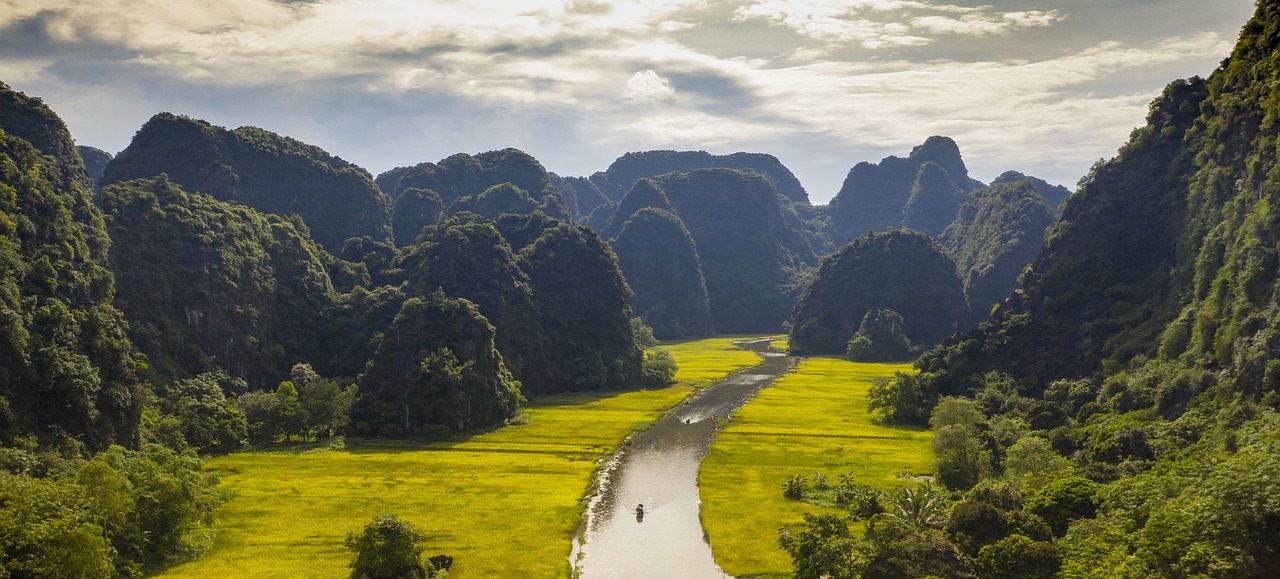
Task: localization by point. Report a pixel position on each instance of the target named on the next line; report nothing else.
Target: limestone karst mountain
(250, 166)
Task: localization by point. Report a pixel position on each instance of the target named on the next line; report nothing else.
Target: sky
(1042, 87)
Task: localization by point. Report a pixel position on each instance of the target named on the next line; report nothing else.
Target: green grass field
(503, 503)
(812, 419)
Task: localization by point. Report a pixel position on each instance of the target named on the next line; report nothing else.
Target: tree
(955, 411)
(658, 369)
(388, 548)
(895, 549)
(922, 507)
(1018, 557)
(1063, 501)
(1033, 457)
(289, 416)
(879, 339)
(205, 418)
(260, 411)
(962, 460)
(823, 549)
(905, 398)
(326, 406)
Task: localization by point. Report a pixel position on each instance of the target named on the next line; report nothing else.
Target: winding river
(659, 471)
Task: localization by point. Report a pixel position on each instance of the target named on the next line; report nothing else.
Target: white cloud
(984, 25)
(646, 87)
(571, 65)
(876, 24)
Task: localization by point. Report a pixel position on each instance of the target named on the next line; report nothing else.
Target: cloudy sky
(1045, 87)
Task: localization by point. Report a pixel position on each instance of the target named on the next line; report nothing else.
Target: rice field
(503, 503)
(813, 419)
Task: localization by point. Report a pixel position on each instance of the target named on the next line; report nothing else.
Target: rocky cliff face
(922, 191)
(750, 255)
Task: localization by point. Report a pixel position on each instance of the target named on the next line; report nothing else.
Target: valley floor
(813, 419)
(503, 503)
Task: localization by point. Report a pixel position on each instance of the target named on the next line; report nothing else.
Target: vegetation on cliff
(250, 166)
(900, 270)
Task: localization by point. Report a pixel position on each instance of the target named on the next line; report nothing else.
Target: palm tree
(922, 507)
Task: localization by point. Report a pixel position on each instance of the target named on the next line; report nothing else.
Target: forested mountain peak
(1054, 195)
(899, 270)
(209, 285)
(933, 201)
(66, 371)
(749, 254)
(258, 168)
(998, 231)
(644, 193)
(1102, 287)
(95, 162)
(30, 119)
(462, 176)
(633, 166)
(658, 257)
(1141, 351)
(946, 153)
(922, 191)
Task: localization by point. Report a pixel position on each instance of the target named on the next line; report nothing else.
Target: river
(659, 470)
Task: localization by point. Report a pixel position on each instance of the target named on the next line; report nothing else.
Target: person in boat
(640, 510)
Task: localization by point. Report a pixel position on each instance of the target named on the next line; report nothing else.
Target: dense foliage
(117, 514)
(583, 195)
(880, 339)
(462, 175)
(66, 371)
(1119, 417)
(999, 230)
(497, 200)
(415, 209)
(900, 270)
(271, 173)
(922, 191)
(1054, 195)
(660, 262)
(751, 258)
(74, 501)
(583, 312)
(95, 162)
(631, 167)
(29, 119)
(207, 284)
(389, 548)
(436, 366)
(468, 258)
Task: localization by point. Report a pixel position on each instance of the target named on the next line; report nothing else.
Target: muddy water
(659, 470)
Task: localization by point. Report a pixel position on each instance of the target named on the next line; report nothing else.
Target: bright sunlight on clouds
(646, 87)
(1043, 88)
